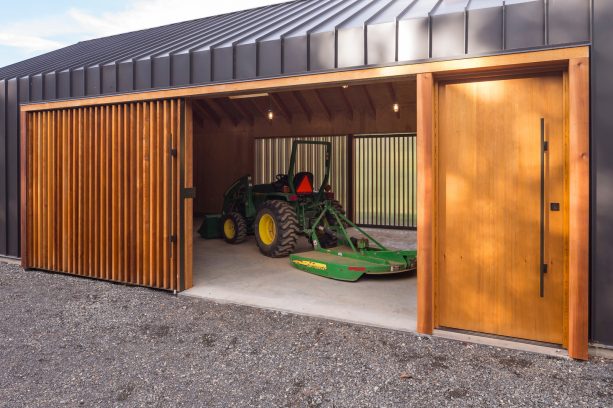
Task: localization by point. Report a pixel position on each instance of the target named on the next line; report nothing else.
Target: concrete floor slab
(240, 274)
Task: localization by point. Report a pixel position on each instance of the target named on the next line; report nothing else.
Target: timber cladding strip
(102, 192)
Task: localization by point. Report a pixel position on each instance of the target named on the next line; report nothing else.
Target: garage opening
(369, 129)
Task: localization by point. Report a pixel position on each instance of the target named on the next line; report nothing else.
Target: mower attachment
(353, 257)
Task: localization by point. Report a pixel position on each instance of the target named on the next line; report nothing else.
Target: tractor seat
(303, 183)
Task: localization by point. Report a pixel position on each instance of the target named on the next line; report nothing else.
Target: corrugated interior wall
(272, 157)
(386, 180)
(102, 192)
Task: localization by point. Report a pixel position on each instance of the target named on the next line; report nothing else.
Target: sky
(33, 27)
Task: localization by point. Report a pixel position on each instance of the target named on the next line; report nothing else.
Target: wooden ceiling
(323, 103)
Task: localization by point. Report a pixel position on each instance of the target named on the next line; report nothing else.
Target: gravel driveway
(67, 341)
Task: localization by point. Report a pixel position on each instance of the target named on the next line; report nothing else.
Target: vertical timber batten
(425, 203)
(92, 201)
(579, 205)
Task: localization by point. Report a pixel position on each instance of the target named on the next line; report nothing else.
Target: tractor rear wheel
(276, 229)
(233, 228)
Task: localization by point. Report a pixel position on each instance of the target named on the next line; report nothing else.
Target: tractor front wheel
(276, 229)
(234, 228)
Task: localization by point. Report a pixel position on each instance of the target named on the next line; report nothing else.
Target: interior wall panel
(102, 195)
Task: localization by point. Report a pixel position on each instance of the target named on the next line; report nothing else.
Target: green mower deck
(341, 263)
(354, 257)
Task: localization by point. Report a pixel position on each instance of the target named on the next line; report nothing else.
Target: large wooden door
(104, 192)
(502, 207)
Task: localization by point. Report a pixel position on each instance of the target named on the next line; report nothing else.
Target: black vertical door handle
(542, 264)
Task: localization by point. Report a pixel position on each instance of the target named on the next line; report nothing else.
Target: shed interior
(235, 136)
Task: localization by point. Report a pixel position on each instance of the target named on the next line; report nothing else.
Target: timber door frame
(577, 96)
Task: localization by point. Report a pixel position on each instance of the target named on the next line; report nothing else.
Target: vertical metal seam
(504, 25)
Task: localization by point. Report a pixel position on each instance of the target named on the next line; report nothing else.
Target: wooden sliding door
(103, 192)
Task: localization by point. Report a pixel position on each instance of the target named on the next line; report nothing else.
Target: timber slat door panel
(102, 191)
(489, 207)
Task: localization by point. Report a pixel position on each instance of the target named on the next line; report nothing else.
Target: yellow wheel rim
(267, 229)
(228, 229)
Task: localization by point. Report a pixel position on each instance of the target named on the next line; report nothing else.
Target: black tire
(339, 208)
(239, 226)
(285, 231)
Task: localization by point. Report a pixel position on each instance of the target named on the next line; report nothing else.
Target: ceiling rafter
(347, 102)
(237, 104)
(206, 112)
(278, 102)
(325, 107)
(213, 113)
(219, 107)
(369, 102)
(306, 109)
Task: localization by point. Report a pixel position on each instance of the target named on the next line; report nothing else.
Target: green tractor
(280, 212)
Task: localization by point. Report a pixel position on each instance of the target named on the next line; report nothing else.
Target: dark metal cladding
(92, 80)
(3, 165)
(161, 71)
(381, 43)
(322, 48)
(350, 47)
(246, 61)
(525, 25)
(37, 88)
(12, 168)
(295, 51)
(181, 66)
(270, 58)
(109, 78)
(447, 35)
(49, 86)
(484, 30)
(78, 83)
(63, 84)
(602, 175)
(125, 77)
(569, 21)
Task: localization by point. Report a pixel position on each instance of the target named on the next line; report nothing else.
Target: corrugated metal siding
(385, 180)
(272, 156)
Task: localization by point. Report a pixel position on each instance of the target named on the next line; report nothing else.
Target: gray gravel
(68, 341)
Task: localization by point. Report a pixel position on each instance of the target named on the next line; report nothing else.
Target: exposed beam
(256, 106)
(216, 104)
(347, 102)
(237, 104)
(213, 113)
(205, 111)
(231, 108)
(278, 102)
(369, 102)
(306, 109)
(323, 104)
(392, 92)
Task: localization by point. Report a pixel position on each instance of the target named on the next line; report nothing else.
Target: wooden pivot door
(104, 192)
(502, 207)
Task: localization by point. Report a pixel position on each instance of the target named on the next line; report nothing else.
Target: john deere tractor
(279, 212)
